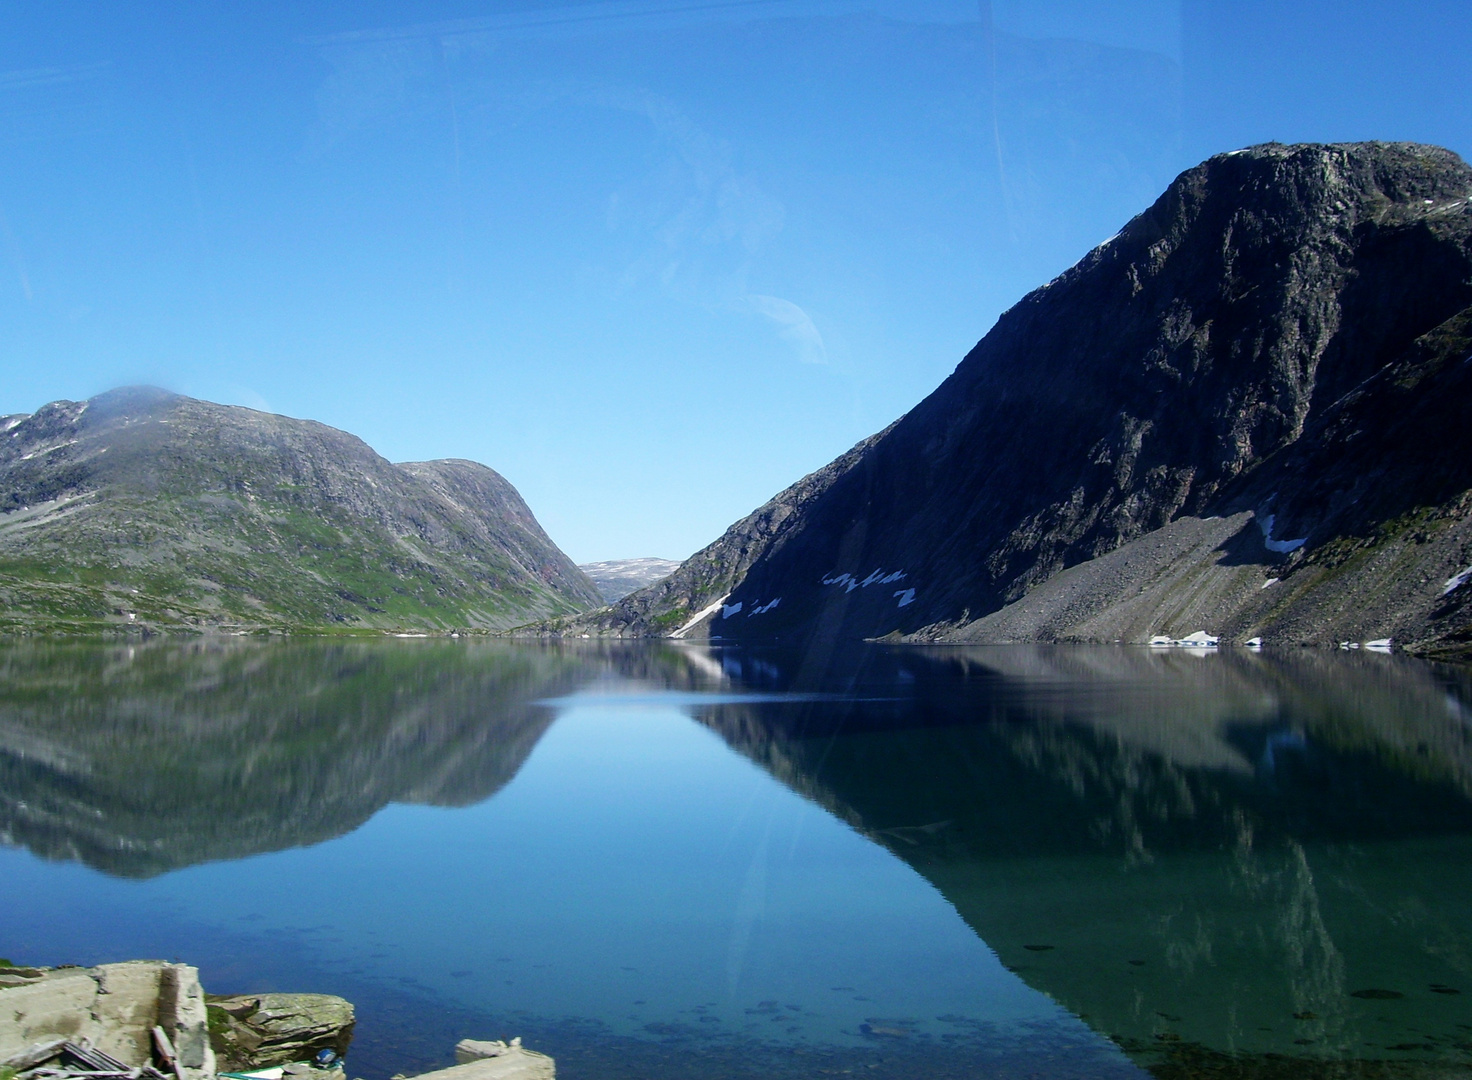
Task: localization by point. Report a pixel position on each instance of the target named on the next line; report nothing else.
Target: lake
(667, 860)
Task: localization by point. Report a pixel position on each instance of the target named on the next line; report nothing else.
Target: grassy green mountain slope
(141, 508)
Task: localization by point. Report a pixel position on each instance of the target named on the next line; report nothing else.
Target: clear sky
(652, 260)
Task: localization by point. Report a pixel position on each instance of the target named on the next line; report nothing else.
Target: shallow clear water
(656, 860)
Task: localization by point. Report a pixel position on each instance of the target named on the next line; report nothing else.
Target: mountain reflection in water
(1201, 856)
(1237, 864)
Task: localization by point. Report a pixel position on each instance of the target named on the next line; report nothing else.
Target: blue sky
(652, 260)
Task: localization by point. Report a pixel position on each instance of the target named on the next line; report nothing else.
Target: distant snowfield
(617, 578)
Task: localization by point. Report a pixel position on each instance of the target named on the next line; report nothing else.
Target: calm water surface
(674, 861)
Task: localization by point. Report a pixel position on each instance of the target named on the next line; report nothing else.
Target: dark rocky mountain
(1263, 377)
(616, 578)
(144, 508)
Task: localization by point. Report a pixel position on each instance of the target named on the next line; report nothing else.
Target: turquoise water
(652, 860)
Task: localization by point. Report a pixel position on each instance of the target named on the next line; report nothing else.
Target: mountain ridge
(142, 508)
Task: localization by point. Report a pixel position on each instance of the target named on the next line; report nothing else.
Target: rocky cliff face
(140, 507)
(1283, 335)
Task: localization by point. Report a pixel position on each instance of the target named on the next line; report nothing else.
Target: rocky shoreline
(151, 1020)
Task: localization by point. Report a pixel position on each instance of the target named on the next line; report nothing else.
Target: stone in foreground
(112, 1007)
(252, 1031)
(480, 1060)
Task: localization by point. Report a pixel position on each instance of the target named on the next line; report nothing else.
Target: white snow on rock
(878, 577)
(1198, 639)
(1455, 582)
(762, 609)
(1270, 581)
(1282, 547)
(1253, 643)
(733, 609)
(1379, 645)
(907, 596)
(702, 613)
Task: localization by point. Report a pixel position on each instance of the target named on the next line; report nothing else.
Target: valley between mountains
(1247, 412)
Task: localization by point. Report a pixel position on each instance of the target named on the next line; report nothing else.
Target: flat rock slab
(514, 1063)
(113, 1006)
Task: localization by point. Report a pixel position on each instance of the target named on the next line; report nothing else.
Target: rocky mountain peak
(1149, 381)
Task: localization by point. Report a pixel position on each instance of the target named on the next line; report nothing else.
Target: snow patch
(1282, 547)
(1253, 643)
(1198, 639)
(702, 613)
(1271, 581)
(48, 450)
(877, 577)
(733, 609)
(1452, 584)
(1379, 645)
(764, 608)
(907, 596)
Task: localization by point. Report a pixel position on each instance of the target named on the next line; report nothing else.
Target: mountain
(144, 508)
(616, 578)
(1248, 411)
